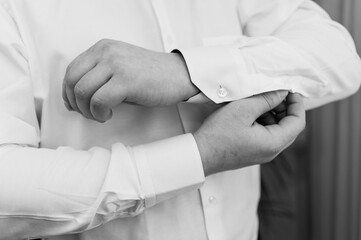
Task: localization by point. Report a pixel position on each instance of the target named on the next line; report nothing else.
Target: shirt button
(212, 199)
(222, 92)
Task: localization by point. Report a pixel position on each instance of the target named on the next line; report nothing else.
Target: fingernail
(108, 116)
(105, 116)
(283, 93)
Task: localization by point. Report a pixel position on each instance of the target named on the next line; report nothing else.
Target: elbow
(348, 70)
(351, 80)
(340, 82)
(356, 83)
(355, 87)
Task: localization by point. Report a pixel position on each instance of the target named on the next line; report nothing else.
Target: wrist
(183, 77)
(206, 153)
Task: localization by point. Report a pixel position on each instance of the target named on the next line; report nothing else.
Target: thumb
(265, 102)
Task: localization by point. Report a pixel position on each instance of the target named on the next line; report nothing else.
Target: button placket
(168, 38)
(212, 209)
(212, 199)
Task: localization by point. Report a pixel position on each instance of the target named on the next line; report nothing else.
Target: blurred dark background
(327, 156)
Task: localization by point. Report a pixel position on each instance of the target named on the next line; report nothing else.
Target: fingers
(280, 111)
(295, 120)
(265, 102)
(282, 107)
(103, 100)
(267, 118)
(290, 126)
(296, 107)
(274, 116)
(87, 86)
(75, 71)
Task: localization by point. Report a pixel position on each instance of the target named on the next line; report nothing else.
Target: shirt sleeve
(291, 45)
(46, 192)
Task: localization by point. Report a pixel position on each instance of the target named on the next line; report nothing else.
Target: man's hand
(231, 138)
(112, 72)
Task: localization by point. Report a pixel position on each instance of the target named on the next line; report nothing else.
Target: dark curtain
(332, 172)
(313, 190)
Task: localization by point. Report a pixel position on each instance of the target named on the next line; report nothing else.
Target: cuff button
(222, 92)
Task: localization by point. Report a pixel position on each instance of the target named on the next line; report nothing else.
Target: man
(72, 175)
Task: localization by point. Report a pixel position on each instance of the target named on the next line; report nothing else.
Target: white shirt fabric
(139, 176)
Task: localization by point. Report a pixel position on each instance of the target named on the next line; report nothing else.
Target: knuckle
(104, 45)
(104, 41)
(112, 60)
(97, 102)
(70, 81)
(80, 92)
(70, 66)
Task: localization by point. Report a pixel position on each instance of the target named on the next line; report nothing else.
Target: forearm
(51, 192)
(297, 48)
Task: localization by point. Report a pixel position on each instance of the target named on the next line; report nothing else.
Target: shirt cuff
(168, 168)
(198, 99)
(214, 70)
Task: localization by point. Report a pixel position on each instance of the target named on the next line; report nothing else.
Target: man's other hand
(231, 138)
(112, 72)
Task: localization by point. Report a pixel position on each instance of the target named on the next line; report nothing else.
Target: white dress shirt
(139, 176)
